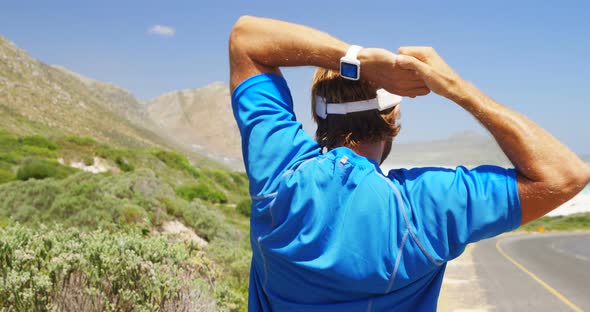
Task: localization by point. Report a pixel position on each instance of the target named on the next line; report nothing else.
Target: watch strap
(353, 52)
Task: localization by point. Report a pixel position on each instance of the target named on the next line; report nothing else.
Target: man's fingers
(409, 75)
(414, 92)
(419, 91)
(420, 53)
(412, 63)
(410, 84)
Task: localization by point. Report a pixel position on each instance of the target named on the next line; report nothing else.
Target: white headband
(383, 101)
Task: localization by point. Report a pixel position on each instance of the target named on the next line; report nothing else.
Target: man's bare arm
(548, 172)
(262, 45)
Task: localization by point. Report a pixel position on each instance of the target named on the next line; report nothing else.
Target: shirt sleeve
(273, 141)
(449, 209)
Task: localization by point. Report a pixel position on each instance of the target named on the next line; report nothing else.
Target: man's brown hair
(350, 129)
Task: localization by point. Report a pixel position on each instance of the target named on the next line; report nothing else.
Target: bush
(39, 141)
(39, 152)
(6, 176)
(81, 141)
(119, 156)
(42, 169)
(88, 161)
(12, 157)
(124, 164)
(243, 207)
(69, 270)
(201, 191)
(222, 178)
(176, 161)
(131, 214)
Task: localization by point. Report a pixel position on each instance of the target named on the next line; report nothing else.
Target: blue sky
(530, 55)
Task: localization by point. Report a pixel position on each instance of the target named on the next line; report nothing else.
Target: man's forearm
(269, 44)
(535, 153)
(263, 45)
(276, 43)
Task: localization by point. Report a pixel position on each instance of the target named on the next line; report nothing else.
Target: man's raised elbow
(240, 31)
(587, 175)
(575, 180)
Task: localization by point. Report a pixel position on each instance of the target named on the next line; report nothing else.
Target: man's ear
(397, 112)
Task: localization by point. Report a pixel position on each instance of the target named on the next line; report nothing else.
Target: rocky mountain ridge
(202, 119)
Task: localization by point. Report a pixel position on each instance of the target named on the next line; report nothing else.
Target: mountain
(464, 148)
(36, 98)
(113, 98)
(202, 119)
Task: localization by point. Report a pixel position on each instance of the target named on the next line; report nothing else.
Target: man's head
(352, 129)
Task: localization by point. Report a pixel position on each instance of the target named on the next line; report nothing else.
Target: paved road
(535, 272)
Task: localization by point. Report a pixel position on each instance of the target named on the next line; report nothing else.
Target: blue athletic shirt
(331, 232)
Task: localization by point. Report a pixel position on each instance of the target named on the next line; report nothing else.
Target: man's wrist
(373, 59)
(462, 93)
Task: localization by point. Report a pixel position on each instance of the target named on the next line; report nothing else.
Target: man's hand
(379, 66)
(438, 76)
(548, 172)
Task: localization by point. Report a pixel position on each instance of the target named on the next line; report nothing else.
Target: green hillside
(55, 220)
(36, 98)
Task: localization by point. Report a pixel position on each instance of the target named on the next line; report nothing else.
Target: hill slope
(38, 98)
(202, 119)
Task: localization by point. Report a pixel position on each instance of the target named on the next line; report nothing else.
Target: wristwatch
(350, 66)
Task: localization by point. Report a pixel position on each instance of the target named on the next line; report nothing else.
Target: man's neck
(372, 151)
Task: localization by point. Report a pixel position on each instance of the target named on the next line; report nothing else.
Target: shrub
(38, 151)
(81, 141)
(124, 164)
(243, 207)
(222, 178)
(131, 214)
(69, 270)
(39, 141)
(120, 157)
(42, 169)
(6, 176)
(202, 191)
(176, 161)
(12, 157)
(88, 160)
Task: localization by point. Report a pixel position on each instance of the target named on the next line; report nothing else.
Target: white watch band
(353, 52)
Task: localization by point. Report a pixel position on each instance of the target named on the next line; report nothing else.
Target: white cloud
(162, 30)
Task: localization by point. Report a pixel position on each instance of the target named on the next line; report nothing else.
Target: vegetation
(42, 169)
(243, 207)
(69, 269)
(580, 221)
(76, 240)
(201, 191)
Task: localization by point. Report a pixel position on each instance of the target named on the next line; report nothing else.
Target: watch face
(349, 70)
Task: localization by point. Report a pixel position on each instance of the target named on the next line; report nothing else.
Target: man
(329, 230)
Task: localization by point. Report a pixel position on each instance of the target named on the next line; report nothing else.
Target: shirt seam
(397, 262)
(263, 264)
(407, 220)
(264, 196)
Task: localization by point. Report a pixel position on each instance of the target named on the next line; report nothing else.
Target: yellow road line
(540, 281)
